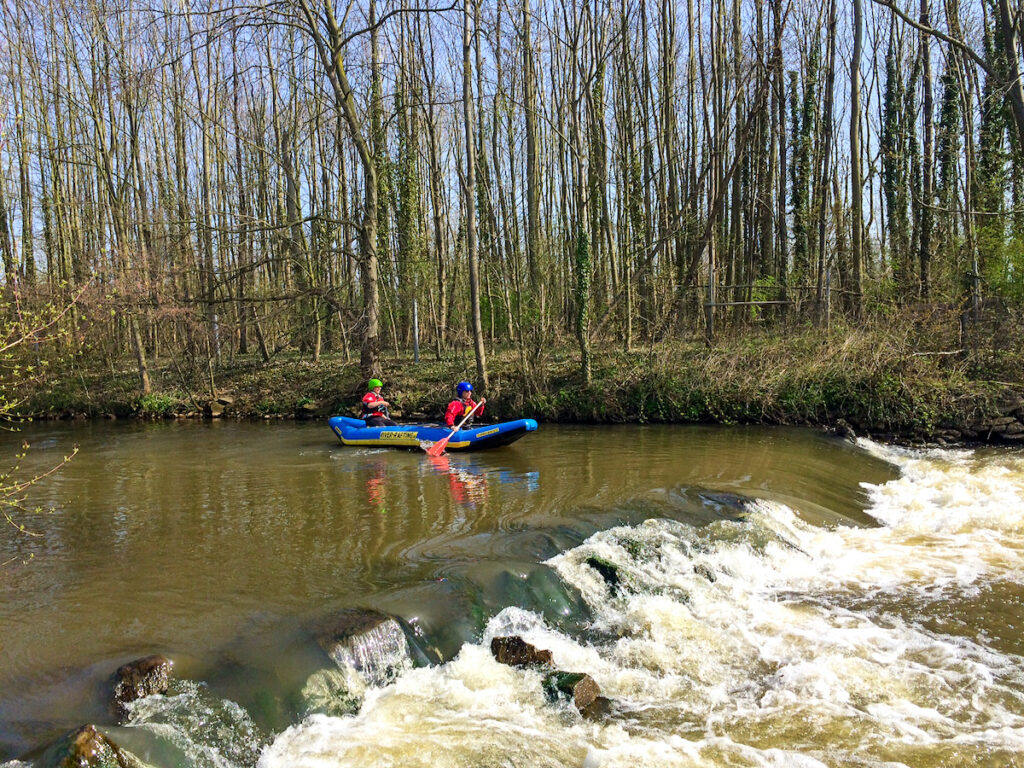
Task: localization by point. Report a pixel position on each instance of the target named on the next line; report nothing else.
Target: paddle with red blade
(438, 448)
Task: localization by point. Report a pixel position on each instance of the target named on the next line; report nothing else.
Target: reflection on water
(467, 479)
(376, 485)
(468, 485)
(764, 597)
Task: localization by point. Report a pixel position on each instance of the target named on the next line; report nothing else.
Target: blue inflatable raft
(355, 432)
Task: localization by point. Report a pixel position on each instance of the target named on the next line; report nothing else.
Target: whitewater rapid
(759, 641)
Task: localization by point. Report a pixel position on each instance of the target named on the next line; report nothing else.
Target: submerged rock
(609, 572)
(516, 652)
(599, 709)
(371, 643)
(537, 588)
(143, 677)
(577, 686)
(702, 570)
(437, 616)
(844, 430)
(86, 747)
(192, 727)
(332, 692)
(727, 506)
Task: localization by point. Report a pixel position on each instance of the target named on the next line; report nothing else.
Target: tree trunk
(1009, 16)
(826, 162)
(532, 157)
(927, 161)
(470, 196)
(856, 185)
(330, 52)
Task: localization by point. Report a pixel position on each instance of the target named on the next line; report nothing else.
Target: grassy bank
(904, 384)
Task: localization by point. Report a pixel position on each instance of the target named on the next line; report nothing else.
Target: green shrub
(156, 405)
(267, 407)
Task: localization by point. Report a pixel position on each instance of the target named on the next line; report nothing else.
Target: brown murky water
(212, 542)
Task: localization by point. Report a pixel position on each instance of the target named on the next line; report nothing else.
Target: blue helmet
(463, 386)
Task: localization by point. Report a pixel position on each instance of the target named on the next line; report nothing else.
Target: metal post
(415, 332)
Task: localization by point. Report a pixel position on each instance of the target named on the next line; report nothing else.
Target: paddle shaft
(438, 448)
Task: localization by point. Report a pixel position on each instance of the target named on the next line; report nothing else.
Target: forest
(220, 181)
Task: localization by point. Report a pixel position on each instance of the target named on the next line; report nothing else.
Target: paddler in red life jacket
(462, 405)
(375, 407)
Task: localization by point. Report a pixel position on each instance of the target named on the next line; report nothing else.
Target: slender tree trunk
(825, 167)
(330, 52)
(470, 196)
(28, 260)
(856, 185)
(582, 258)
(1009, 15)
(781, 269)
(928, 159)
(532, 161)
(6, 250)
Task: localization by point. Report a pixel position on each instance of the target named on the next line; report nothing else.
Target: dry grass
(905, 375)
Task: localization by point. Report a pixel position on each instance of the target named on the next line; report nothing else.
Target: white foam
(463, 711)
(761, 642)
(210, 732)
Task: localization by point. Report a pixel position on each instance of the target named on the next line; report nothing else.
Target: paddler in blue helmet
(375, 408)
(463, 404)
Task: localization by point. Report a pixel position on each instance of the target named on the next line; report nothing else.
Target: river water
(784, 598)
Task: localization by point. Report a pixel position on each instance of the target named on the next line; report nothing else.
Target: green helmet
(376, 383)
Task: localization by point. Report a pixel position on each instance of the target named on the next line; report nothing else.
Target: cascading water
(761, 642)
(379, 656)
(192, 728)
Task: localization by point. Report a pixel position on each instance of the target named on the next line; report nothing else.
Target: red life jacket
(368, 410)
(457, 409)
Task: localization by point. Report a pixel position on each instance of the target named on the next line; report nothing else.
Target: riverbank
(905, 385)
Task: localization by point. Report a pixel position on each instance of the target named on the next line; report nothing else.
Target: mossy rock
(578, 687)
